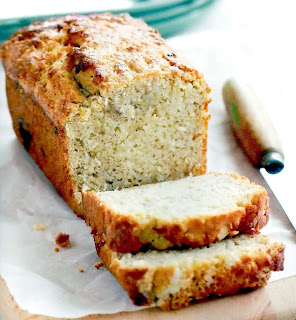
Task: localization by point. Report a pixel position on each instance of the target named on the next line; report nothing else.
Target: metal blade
(281, 185)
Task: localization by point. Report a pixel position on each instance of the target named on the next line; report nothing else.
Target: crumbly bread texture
(194, 211)
(172, 279)
(39, 227)
(100, 100)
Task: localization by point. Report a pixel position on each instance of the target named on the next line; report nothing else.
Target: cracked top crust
(62, 61)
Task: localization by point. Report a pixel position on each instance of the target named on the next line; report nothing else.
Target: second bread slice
(194, 211)
(172, 279)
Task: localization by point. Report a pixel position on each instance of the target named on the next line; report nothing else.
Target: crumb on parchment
(39, 226)
(80, 270)
(100, 266)
(62, 240)
(56, 249)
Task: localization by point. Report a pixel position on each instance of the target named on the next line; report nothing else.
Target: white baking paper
(46, 282)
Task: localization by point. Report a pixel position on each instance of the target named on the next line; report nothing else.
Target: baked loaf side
(46, 143)
(109, 94)
(173, 279)
(194, 211)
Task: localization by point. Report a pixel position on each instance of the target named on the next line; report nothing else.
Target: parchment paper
(46, 282)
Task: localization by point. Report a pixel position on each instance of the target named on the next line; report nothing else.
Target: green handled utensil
(257, 136)
(253, 127)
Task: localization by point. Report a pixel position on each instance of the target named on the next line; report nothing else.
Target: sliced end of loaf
(148, 130)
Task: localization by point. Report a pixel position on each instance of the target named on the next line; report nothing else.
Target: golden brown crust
(252, 271)
(35, 57)
(123, 233)
(46, 143)
(257, 214)
(117, 230)
(63, 60)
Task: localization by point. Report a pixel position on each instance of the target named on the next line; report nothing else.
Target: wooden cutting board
(276, 301)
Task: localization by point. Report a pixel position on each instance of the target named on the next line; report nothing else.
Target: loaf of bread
(100, 100)
(194, 211)
(172, 279)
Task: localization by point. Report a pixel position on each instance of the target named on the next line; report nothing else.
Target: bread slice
(101, 100)
(172, 279)
(194, 211)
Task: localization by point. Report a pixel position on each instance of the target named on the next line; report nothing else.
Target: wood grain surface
(276, 301)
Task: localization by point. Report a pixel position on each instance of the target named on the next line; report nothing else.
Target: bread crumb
(100, 266)
(56, 249)
(39, 226)
(62, 240)
(80, 270)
